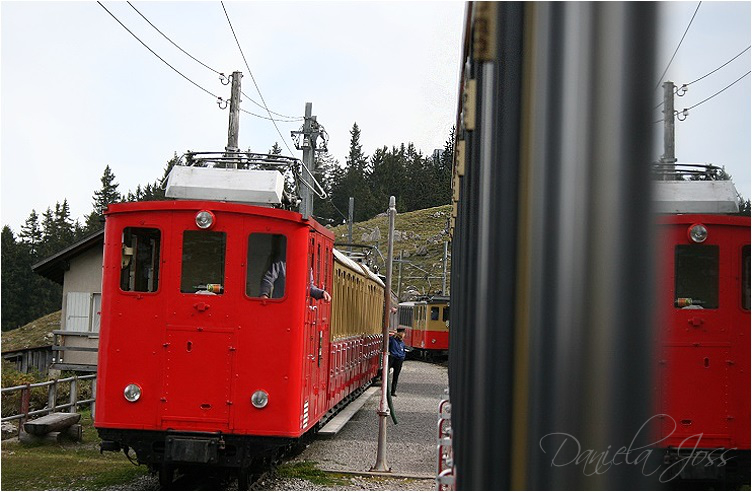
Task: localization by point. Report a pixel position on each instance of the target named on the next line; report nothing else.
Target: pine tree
(276, 149)
(106, 195)
(31, 234)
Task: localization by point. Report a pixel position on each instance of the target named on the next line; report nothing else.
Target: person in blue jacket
(396, 356)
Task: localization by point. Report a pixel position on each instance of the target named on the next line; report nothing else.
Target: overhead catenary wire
(173, 42)
(219, 98)
(720, 91)
(266, 107)
(250, 72)
(678, 46)
(714, 71)
(222, 75)
(285, 117)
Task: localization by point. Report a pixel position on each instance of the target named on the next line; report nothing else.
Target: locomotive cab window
(445, 314)
(434, 313)
(266, 266)
(203, 262)
(139, 262)
(745, 278)
(696, 276)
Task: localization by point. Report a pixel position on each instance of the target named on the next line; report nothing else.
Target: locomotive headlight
(260, 399)
(204, 219)
(698, 233)
(132, 392)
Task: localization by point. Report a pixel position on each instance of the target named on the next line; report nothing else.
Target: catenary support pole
(350, 214)
(383, 411)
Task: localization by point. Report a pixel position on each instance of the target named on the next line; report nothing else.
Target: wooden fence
(52, 406)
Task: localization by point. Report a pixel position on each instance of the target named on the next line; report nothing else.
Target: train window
(446, 314)
(745, 278)
(266, 265)
(203, 262)
(139, 263)
(434, 313)
(696, 276)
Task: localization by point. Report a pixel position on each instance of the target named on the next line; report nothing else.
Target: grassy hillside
(419, 235)
(37, 333)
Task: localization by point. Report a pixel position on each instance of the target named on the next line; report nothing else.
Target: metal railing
(52, 397)
(445, 465)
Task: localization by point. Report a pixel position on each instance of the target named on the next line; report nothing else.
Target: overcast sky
(79, 92)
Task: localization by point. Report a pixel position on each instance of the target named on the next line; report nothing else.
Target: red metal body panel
(704, 354)
(198, 358)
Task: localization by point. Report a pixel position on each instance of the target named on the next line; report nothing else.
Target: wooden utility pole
(669, 152)
(350, 213)
(233, 128)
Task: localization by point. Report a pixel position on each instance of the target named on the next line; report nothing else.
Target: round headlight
(204, 219)
(698, 233)
(132, 392)
(260, 399)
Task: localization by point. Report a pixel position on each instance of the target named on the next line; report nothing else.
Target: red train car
(704, 356)
(426, 324)
(202, 359)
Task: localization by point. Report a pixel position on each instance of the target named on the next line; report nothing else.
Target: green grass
(425, 229)
(307, 470)
(69, 466)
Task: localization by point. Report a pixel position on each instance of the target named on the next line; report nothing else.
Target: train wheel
(166, 475)
(244, 478)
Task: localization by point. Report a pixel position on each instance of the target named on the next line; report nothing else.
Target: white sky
(78, 92)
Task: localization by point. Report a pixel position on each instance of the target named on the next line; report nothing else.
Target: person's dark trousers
(397, 366)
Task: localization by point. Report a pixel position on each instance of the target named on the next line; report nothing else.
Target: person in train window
(396, 356)
(273, 283)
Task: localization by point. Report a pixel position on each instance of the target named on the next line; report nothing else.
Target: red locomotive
(426, 324)
(704, 357)
(204, 358)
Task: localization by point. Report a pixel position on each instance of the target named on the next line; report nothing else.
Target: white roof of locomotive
(695, 197)
(255, 187)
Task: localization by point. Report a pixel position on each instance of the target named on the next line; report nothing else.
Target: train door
(317, 324)
(698, 347)
(199, 344)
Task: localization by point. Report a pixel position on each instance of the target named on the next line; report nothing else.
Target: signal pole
(233, 127)
(668, 156)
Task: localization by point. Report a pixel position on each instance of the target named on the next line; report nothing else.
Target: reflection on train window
(266, 265)
(434, 313)
(139, 263)
(446, 314)
(745, 278)
(203, 262)
(696, 272)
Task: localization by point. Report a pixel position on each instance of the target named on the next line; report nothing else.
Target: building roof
(55, 266)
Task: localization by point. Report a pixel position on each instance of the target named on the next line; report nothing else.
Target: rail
(52, 406)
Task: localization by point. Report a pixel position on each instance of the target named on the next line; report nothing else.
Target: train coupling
(109, 446)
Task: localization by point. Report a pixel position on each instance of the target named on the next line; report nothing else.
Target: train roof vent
(242, 177)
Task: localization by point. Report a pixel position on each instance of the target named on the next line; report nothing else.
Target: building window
(696, 276)
(266, 269)
(139, 263)
(203, 262)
